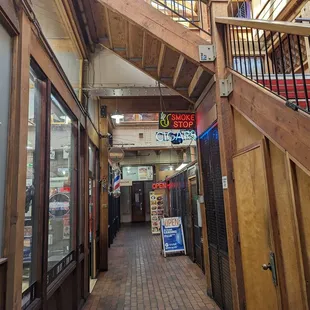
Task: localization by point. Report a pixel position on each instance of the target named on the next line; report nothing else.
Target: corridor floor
(140, 278)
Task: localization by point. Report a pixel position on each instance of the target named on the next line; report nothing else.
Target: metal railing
(273, 55)
(186, 12)
(240, 9)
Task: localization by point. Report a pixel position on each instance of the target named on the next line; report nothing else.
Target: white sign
(169, 136)
(225, 182)
(126, 183)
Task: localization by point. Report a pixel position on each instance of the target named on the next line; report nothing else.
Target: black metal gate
(215, 214)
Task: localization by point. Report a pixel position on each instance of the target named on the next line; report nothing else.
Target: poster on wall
(172, 235)
(157, 211)
(138, 173)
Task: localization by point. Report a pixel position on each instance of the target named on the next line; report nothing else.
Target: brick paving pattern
(140, 278)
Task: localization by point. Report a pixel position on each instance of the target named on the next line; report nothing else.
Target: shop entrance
(138, 203)
(196, 220)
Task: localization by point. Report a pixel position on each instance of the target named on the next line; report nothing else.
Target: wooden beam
(195, 80)
(161, 59)
(145, 104)
(144, 48)
(274, 26)
(104, 198)
(178, 70)
(107, 18)
(161, 27)
(135, 44)
(227, 150)
(17, 161)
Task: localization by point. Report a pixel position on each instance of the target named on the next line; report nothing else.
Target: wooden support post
(161, 59)
(17, 161)
(227, 150)
(104, 211)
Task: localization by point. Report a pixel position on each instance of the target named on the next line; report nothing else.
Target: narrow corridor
(140, 278)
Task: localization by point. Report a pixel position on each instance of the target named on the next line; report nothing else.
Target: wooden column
(104, 211)
(204, 225)
(17, 161)
(227, 150)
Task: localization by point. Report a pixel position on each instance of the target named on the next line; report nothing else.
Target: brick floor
(140, 278)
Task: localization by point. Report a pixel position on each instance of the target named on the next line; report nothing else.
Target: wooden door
(255, 230)
(138, 205)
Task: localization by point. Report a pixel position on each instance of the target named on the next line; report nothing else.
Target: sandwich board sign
(172, 235)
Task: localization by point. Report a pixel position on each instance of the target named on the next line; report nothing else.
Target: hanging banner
(157, 211)
(177, 121)
(172, 235)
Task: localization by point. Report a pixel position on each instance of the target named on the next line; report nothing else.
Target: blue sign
(172, 235)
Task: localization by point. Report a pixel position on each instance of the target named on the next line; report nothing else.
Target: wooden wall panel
(303, 214)
(2, 285)
(288, 234)
(246, 133)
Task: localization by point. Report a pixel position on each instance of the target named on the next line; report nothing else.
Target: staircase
(153, 42)
(269, 64)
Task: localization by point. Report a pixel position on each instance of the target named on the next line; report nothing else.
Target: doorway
(138, 203)
(256, 240)
(196, 220)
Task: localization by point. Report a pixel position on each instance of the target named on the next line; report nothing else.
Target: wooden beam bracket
(226, 86)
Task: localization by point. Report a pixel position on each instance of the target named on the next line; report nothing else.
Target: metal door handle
(267, 267)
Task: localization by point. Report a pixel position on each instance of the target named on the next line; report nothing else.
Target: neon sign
(169, 136)
(177, 121)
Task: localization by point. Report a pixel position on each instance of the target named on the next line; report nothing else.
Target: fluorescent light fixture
(171, 168)
(117, 116)
(29, 147)
(181, 167)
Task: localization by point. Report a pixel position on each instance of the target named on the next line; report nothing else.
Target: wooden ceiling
(152, 42)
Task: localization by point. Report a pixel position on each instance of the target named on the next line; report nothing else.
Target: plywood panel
(288, 234)
(170, 61)
(186, 74)
(246, 133)
(151, 52)
(135, 41)
(254, 229)
(303, 210)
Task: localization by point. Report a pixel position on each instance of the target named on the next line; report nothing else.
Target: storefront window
(61, 200)
(5, 82)
(31, 203)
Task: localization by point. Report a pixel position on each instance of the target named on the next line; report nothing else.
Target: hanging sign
(116, 155)
(177, 121)
(172, 235)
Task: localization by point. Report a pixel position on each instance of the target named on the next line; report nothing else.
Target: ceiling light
(171, 167)
(181, 167)
(117, 116)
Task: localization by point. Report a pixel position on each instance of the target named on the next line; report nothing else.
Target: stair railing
(274, 55)
(186, 12)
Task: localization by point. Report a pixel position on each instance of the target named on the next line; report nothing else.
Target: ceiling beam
(178, 70)
(145, 104)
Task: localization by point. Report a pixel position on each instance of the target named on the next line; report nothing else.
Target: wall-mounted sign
(169, 136)
(126, 182)
(140, 173)
(177, 121)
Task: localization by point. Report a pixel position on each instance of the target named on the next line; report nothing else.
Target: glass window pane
(61, 176)
(35, 98)
(5, 82)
